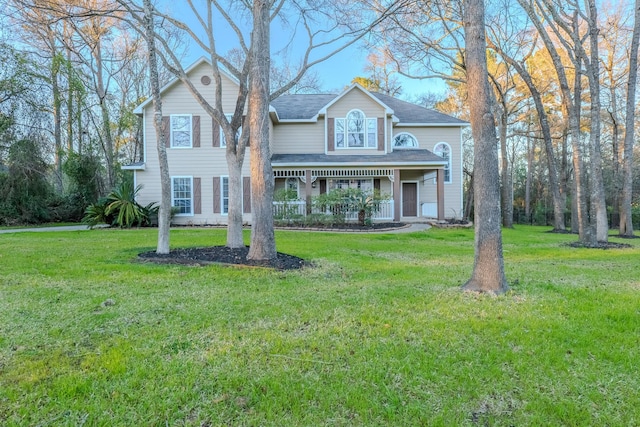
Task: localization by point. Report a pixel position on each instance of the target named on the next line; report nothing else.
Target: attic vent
(205, 80)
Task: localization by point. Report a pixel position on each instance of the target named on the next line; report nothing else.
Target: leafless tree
(488, 269)
(626, 223)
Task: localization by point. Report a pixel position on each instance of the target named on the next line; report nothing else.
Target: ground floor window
(182, 194)
(365, 184)
(224, 194)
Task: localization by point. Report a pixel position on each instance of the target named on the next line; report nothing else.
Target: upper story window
(443, 150)
(356, 131)
(405, 140)
(181, 131)
(223, 139)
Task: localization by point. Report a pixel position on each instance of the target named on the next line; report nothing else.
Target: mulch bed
(600, 245)
(221, 255)
(238, 256)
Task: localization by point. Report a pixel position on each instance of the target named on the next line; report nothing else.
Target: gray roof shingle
(404, 157)
(300, 106)
(307, 106)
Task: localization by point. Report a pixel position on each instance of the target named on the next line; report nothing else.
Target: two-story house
(319, 142)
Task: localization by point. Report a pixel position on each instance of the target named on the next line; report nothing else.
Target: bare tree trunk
(626, 223)
(263, 242)
(558, 201)
(468, 202)
(107, 138)
(598, 203)
(164, 215)
(571, 106)
(488, 269)
(234, 218)
(57, 114)
(531, 146)
(507, 187)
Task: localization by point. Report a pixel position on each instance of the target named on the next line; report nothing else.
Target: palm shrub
(120, 208)
(365, 203)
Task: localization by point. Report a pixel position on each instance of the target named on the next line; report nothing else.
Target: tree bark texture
(164, 214)
(488, 270)
(263, 243)
(626, 224)
(599, 206)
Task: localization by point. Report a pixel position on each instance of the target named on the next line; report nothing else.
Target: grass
(376, 334)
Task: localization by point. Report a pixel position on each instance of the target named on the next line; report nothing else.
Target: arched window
(443, 150)
(405, 140)
(356, 131)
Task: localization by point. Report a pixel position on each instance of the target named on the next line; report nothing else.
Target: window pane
(181, 131)
(404, 140)
(444, 151)
(339, 132)
(182, 195)
(372, 133)
(225, 194)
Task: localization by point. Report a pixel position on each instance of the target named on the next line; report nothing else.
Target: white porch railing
(297, 209)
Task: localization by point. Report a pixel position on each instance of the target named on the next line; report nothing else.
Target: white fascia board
(357, 164)
(313, 119)
(139, 167)
(438, 125)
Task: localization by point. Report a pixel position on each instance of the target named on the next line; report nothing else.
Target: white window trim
(435, 181)
(367, 145)
(173, 178)
(223, 139)
(222, 179)
(190, 130)
(395, 147)
(371, 180)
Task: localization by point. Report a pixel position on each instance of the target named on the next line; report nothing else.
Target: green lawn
(376, 334)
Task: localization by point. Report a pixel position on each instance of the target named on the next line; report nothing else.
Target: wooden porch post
(396, 195)
(307, 190)
(440, 193)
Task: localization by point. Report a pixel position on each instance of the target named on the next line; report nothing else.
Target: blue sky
(335, 73)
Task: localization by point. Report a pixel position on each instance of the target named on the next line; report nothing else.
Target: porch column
(307, 190)
(396, 195)
(440, 192)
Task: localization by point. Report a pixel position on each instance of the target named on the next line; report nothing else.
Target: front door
(409, 199)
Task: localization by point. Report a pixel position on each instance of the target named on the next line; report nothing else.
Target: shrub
(120, 208)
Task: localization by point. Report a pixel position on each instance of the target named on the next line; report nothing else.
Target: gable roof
(307, 107)
(175, 80)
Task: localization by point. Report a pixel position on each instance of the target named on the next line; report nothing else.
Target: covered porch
(413, 180)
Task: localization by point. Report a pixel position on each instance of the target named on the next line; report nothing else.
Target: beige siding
(428, 137)
(358, 100)
(204, 162)
(299, 138)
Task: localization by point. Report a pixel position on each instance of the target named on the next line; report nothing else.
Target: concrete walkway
(42, 229)
(413, 227)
